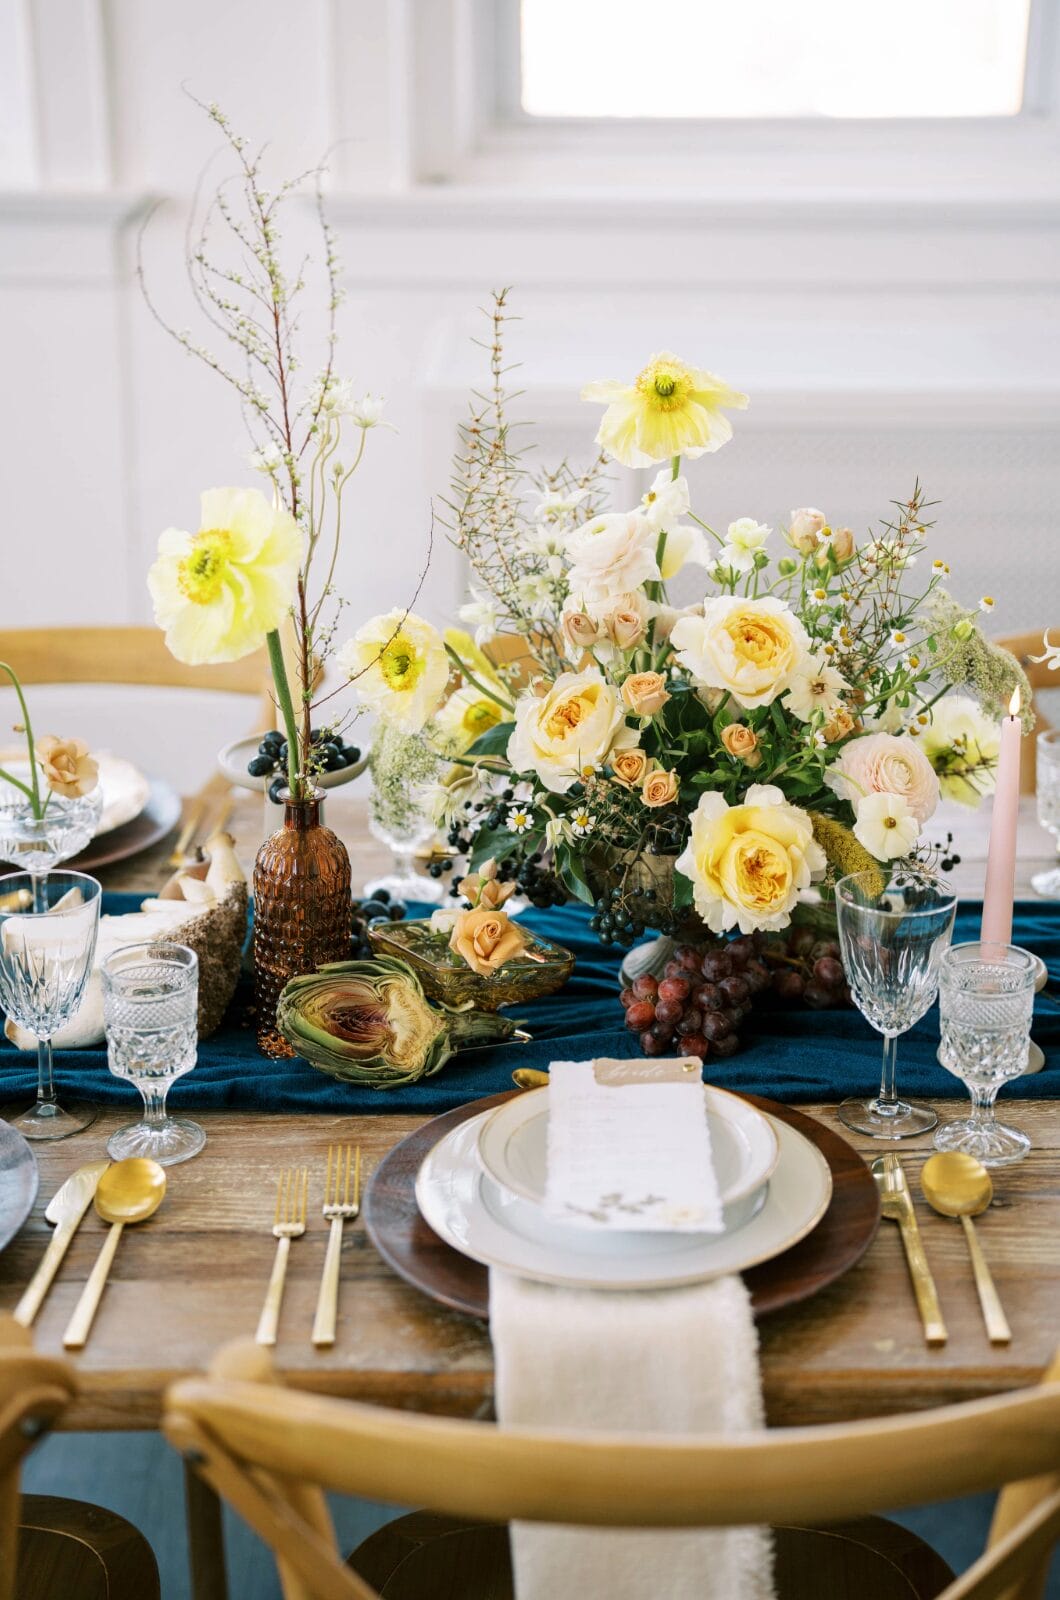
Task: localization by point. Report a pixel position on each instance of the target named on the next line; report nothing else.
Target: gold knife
(65, 1208)
(896, 1204)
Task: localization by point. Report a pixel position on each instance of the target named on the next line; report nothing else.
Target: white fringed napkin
(681, 1360)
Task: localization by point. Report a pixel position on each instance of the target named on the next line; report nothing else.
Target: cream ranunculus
(670, 409)
(399, 667)
(217, 593)
(749, 648)
(885, 763)
(610, 555)
(748, 862)
(569, 731)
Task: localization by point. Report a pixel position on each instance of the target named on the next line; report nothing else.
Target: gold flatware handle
(328, 1299)
(923, 1283)
(80, 1324)
(41, 1280)
(269, 1320)
(997, 1328)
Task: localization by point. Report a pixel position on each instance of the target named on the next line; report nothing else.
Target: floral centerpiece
(697, 766)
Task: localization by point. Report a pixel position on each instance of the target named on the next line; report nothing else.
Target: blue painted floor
(138, 1475)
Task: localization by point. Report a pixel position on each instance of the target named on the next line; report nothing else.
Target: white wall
(889, 298)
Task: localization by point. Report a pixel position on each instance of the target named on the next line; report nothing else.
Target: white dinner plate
(513, 1148)
(471, 1212)
(125, 788)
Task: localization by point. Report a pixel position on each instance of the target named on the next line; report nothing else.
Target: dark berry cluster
(330, 754)
(621, 916)
(369, 914)
(697, 1006)
(541, 886)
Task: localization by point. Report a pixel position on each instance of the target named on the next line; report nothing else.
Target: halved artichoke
(370, 1022)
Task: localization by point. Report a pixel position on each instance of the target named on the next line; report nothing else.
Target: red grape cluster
(700, 1001)
(706, 992)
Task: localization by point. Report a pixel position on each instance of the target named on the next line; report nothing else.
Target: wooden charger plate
(416, 1253)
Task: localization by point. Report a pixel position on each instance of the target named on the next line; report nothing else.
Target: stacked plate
(482, 1189)
(137, 810)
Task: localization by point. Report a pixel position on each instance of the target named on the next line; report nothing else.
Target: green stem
(16, 783)
(490, 694)
(34, 791)
(283, 695)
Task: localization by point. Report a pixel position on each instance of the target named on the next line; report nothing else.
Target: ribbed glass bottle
(302, 909)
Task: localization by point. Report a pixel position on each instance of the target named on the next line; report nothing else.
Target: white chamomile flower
(582, 822)
(886, 825)
(940, 566)
(898, 639)
(535, 594)
(519, 820)
(547, 539)
(986, 603)
(330, 396)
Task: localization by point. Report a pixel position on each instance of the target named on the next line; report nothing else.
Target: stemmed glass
(892, 938)
(400, 815)
(151, 1014)
(986, 998)
(46, 956)
(1048, 794)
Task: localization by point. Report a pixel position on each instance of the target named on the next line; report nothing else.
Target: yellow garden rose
(570, 731)
(748, 862)
(219, 592)
(748, 648)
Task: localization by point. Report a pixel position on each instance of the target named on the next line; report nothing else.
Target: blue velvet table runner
(790, 1053)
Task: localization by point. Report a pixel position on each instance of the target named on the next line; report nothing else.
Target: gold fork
(896, 1204)
(338, 1208)
(288, 1224)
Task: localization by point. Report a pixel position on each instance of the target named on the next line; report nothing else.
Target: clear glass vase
(302, 910)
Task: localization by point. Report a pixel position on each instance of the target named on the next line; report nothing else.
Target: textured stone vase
(301, 910)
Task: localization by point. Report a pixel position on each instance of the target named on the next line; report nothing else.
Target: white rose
(611, 554)
(886, 763)
(749, 648)
(570, 731)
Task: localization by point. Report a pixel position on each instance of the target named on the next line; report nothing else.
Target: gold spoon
(956, 1185)
(529, 1078)
(129, 1191)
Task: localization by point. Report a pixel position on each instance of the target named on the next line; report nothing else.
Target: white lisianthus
(885, 763)
(815, 686)
(399, 667)
(549, 541)
(962, 744)
(666, 502)
(611, 554)
(482, 613)
(886, 825)
(747, 863)
(570, 731)
(744, 540)
(749, 648)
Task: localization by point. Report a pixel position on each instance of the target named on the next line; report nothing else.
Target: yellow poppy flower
(218, 592)
(669, 410)
(399, 668)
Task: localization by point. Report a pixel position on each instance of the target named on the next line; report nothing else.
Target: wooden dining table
(194, 1277)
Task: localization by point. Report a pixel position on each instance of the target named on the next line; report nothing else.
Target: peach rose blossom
(886, 763)
(486, 939)
(805, 529)
(67, 766)
(838, 725)
(645, 693)
(624, 627)
(482, 889)
(742, 743)
(659, 788)
(630, 767)
(580, 630)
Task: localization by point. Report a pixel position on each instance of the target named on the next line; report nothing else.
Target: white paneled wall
(884, 333)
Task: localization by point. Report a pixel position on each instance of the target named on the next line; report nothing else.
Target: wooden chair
(54, 1549)
(272, 1452)
(1023, 646)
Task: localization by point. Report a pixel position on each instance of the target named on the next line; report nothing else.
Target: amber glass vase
(302, 913)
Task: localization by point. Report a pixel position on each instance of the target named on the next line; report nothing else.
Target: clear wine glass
(892, 939)
(400, 812)
(986, 999)
(1047, 786)
(151, 1013)
(48, 926)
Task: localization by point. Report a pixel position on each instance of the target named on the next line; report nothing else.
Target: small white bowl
(233, 759)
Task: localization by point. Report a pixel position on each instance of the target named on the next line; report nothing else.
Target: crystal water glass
(151, 1013)
(48, 927)
(1047, 787)
(893, 939)
(986, 998)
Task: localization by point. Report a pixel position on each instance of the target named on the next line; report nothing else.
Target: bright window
(773, 58)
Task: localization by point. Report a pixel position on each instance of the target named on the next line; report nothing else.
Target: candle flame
(1014, 703)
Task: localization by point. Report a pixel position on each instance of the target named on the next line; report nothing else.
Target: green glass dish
(445, 976)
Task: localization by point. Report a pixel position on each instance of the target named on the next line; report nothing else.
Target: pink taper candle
(1001, 862)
